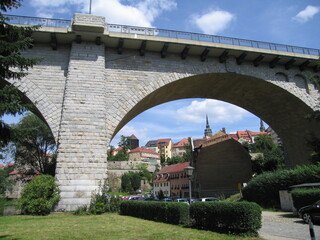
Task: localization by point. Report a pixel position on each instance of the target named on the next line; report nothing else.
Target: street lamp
(189, 171)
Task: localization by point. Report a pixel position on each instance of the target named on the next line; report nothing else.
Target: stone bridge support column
(82, 150)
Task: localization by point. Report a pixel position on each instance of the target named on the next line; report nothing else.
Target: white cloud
(218, 112)
(142, 13)
(213, 22)
(306, 14)
(128, 130)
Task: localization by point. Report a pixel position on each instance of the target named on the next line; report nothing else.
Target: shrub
(304, 197)
(235, 217)
(167, 212)
(264, 188)
(39, 196)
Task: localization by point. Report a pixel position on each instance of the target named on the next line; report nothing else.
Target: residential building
(172, 180)
(161, 146)
(246, 136)
(179, 148)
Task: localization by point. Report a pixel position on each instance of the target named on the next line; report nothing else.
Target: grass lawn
(106, 226)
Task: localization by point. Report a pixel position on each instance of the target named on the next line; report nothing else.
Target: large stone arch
(43, 107)
(282, 110)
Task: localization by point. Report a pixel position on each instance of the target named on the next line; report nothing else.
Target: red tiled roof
(174, 168)
(9, 165)
(118, 149)
(182, 143)
(164, 141)
(143, 150)
(161, 178)
(1, 166)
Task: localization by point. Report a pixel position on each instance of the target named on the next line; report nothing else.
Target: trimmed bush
(39, 196)
(235, 217)
(304, 197)
(167, 212)
(264, 188)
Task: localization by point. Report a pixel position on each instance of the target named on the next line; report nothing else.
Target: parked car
(184, 200)
(310, 212)
(167, 200)
(208, 199)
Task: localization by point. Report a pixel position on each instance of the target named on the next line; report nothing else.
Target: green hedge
(264, 188)
(304, 197)
(236, 217)
(167, 212)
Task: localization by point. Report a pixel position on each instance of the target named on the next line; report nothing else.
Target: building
(161, 146)
(246, 136)
(179, 148)
(133, 141)
(220, 166)
(172, 180)
(145, 155)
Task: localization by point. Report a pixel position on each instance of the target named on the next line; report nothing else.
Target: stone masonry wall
(82, 154)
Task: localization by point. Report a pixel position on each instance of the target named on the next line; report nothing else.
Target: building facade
(173, 180)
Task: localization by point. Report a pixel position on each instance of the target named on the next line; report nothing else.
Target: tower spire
(262, 128)
(207, 131)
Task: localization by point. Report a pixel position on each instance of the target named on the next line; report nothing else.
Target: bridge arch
(282, 110)
(43, 107)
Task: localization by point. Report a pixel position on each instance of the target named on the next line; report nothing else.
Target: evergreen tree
(13, 65)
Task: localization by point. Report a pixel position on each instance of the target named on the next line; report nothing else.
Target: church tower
(262, 128)
(207, 131)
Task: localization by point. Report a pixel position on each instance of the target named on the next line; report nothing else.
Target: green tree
(13, 65)
(176, 160)
(122, 155)
(272, 157)
(5, 182)
(160, 195)
(34, 145)
(131, 181)
(124, 143)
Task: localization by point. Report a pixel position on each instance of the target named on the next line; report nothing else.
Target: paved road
(285, 226)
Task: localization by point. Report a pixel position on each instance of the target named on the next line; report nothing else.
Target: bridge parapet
(85, 22)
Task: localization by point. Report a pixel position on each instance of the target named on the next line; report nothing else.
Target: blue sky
(292, 22)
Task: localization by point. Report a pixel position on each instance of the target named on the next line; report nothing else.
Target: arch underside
(283, 111)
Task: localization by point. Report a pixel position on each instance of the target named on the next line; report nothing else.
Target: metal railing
(211, 38)
(48, 22)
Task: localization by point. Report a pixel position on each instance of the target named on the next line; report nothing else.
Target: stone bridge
(96, 77)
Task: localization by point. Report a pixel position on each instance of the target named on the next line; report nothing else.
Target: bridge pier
(82, 153)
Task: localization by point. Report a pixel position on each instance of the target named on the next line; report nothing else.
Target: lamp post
(189, 171)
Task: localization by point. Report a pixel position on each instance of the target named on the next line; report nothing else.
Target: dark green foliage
(131, 182)
(39, 196)
(167, 212)
(272, 157)
(304, 197)
(13, 41)
(160, 195)
(34, 145)
(314, 146)
(5, 182)
(235, 217)
(101, 202)
(122, 155)
(125, 143)
(264, 188)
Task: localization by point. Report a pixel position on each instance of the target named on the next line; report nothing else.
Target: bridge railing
(210, 38)
(48, 22)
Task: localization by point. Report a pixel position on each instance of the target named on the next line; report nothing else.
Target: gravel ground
(285, 226)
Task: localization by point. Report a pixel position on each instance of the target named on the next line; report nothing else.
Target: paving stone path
(285, 226)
